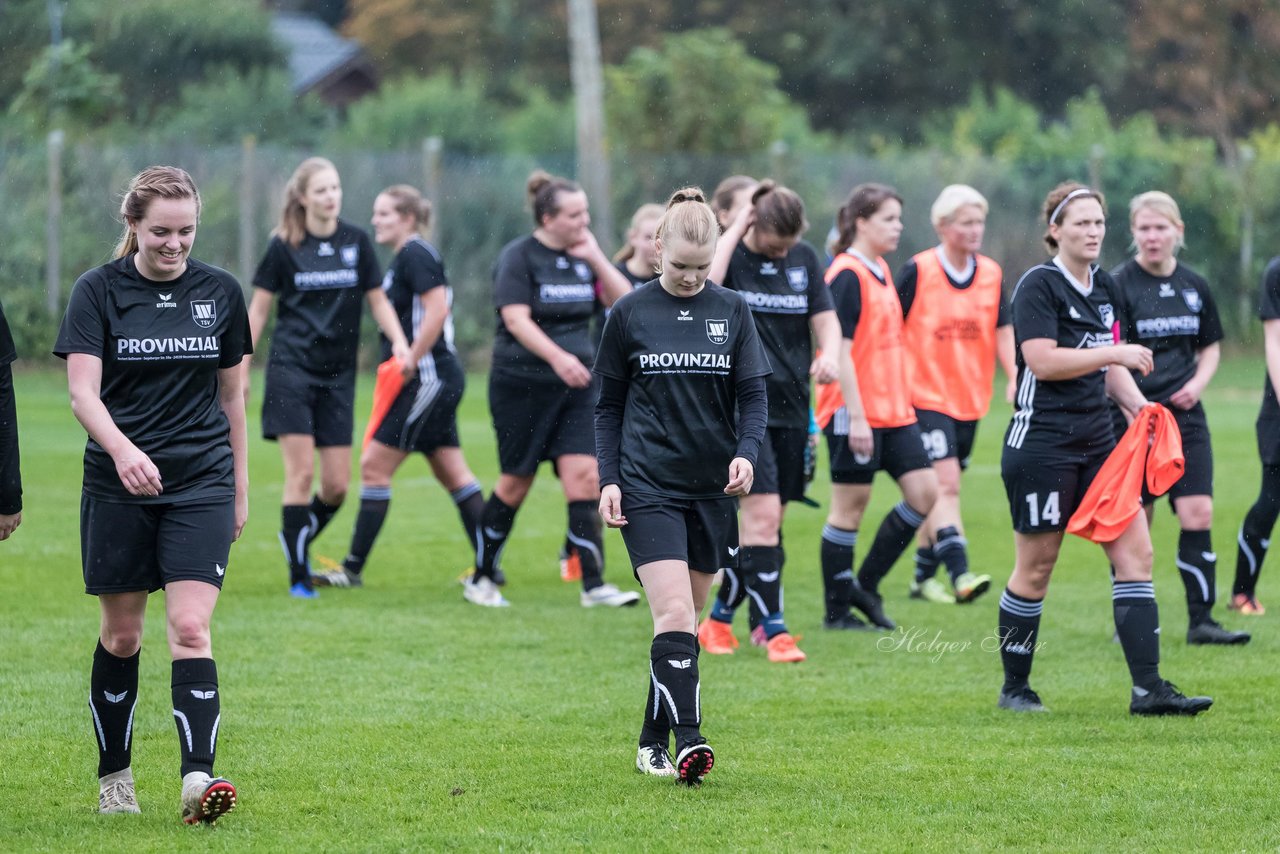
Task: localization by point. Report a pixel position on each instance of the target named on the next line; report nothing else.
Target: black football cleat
(1166, 699)
(872, 605)
(1020, 700)
(1212, 632)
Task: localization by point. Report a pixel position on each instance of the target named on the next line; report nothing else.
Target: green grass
(399, 717)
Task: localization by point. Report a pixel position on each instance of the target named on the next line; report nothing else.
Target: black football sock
(1255, 534)
(837, 569)
(733, 589)
(673, 664)
(113, 694)
(469, 500)
(764, 565)
(374, 503)
(294, 536)
(586, 536)
(926, 564)
(896, 533)
(1019, 625)
(1138, 625)
(321, 515)
(197, 711)
(495, 527)
(1198, 567)
(951, 549)
(657, 726)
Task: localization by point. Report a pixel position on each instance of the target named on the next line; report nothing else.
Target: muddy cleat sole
(1166, 699)
(970, 586)
(693, 763)
(205, 799)
(1021, 700)
(1212, 632)
(115, 793)
(653, 759)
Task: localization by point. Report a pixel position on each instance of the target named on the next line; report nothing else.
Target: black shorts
(125, 548)
(1045, 488)
(424, 416)
(1197, 479)
(897, 450)
(537, 420)
(780, 465)
(1268, 441)
(703, 533)
(296, 403)
(945, 437)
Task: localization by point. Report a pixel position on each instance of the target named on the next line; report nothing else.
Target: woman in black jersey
(1064, 324)
(10, 472)
(1255, 531)
(731, 196)
(423, 416)
(545, 288)
(153, 342)
(319, 267)
(678, 355)
(762, 257)
(1169, 309)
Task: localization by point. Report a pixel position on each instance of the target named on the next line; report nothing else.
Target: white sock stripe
(97, 722)
(839, 536)
(654, 714)
(462, 494)
(732, 578)
(697, 703)
(1194, 572)
(1248, 553)
(759, 600)
(375, 493)
(662, 691)
(213, 738)
(908, 514)
(301, 555)
(186, 727)
(1020, 608)
(589, 546)
(1133, 590)
(128, 730)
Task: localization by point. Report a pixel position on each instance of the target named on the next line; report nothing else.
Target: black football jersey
(783, 293)
(416, 269)
(682, 358)
(1269, 309)
(320, 291)
(7, 351)
(161, 345)
(1174, 316)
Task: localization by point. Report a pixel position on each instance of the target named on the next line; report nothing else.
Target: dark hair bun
(686, 194)
(768, 185)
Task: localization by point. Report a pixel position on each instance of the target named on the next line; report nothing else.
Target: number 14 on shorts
(1046, 510)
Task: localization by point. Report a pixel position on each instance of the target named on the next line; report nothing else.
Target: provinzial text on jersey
(777, 303)
(567, 293)
(326, 279)
(1187, 324)
(158, 346)
(715, 361)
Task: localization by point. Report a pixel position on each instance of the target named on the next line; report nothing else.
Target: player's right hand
(9, 524)
(571, 371)
(1135, 357)
(611, 506)
(861, 441)
(138, 474)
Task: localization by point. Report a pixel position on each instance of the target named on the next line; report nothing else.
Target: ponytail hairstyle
(778, 209)
(1059, 199)
(726, 191)
(544, 191)
(688, 218)
(154, 182)
(292, 227)
(1162, 204)
(407, 201)
(643, 214)
(862, 203)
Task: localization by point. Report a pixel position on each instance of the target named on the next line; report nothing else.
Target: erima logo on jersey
(166, 301)
(204, 312)
(566, 293)
(115, 698)
(562, 263)
(681, 663)
(721, 361)
(149, 346)
(221, 570)
(325, 249)
(1187, 324)
(768, 268)
(203, 695)
(684, 315)
(777, 303)
(1071, 310)
(718, 331)
(1166, 289)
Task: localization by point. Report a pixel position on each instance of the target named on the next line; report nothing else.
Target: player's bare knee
(189, 632)
(122, 641)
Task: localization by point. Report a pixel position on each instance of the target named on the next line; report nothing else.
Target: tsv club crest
(350, 254)
(1192, 298)
(798, 278)
(718, 331)
(204, 312)
(582, 270)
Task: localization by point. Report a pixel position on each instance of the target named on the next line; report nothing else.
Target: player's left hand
(586, 248)
(404, 356)
(9, 524)
(823, 369)
(1186, 397)
(741, 475)
(242, 514)
(611, 506)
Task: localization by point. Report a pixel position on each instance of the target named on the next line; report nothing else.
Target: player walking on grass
(153, 342)
(10, 471)
(423, 415)
(546, 288)
(874, 426)
(956, 328)
(320, 268)
(1064, 322)
(678, 356)
(1255, 533)
(1169, 309)
(762, 257)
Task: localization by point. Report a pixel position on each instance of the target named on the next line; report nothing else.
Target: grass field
(399, 717)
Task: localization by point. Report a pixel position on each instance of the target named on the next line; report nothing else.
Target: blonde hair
(689, 218)
(952, 199)
(643, 214)
(292, 227)
(1163, 204)
(154, 182)
(407, 201)
(1056, 204)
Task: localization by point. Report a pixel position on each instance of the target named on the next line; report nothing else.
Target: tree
(62, 87)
